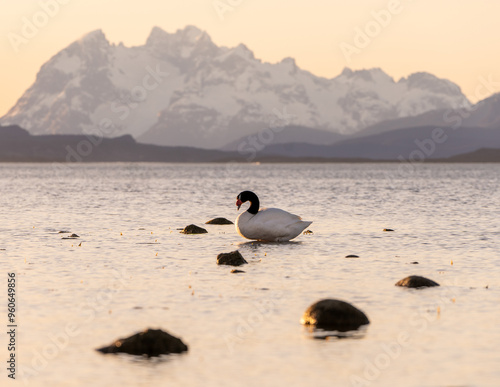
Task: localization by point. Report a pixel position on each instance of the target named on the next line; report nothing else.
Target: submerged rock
(334, 315)
(219, 221)
(193, 229)
(415, 281)
(307, 232)
(388, 229)
(72, 236)
(151, 342)
(236, 271)
(234, 258)
(352, 256)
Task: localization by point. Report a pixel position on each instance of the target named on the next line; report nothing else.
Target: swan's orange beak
(239, 203)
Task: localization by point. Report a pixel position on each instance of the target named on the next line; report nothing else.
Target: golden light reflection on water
(130, 263)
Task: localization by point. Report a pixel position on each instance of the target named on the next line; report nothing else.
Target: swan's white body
(270, 224)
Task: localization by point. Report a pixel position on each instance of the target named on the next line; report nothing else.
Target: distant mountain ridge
(461, 130)
(484, 114)
(182, 89)
(408, 143)
(17, 145)
(283, 135)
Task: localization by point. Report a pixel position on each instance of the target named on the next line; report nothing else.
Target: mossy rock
(151, 342)
(334, 315)
(72, 236)
(234, 258)
(415, 281)
(219, 221)
(193, 229)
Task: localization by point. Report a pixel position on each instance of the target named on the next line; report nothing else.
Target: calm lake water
(134, 270)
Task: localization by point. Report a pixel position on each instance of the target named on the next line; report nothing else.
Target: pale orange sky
(453, 39)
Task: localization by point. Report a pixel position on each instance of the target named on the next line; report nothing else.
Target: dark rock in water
(414, 263)
(64, 232)
(307, 232)
(235, 271)
(151, 342)
(192, 229)
(219, 221)
(72, 236)
(388, 229)
(352, 256)
(234, 258)
(415, 281)
(334, 315)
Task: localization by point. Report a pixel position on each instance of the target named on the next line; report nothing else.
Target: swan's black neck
(254, 205)
(249, 196)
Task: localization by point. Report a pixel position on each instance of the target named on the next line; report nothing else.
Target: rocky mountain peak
(93, 37)
(183, 44)
(429, 82)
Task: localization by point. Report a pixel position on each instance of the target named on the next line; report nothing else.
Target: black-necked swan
(266, 224)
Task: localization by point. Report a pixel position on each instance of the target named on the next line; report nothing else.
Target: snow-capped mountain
(182, 89)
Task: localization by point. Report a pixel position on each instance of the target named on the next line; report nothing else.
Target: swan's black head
(248, 196)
